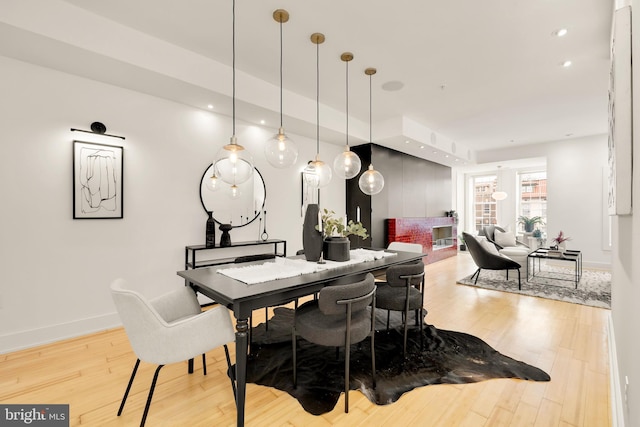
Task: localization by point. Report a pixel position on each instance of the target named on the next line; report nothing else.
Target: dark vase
(528, 227)
(225, 239)
(336, 249)
(210, 240)
(311, 238)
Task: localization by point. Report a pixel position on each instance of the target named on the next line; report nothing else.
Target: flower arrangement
(561, 238)
(332, 226)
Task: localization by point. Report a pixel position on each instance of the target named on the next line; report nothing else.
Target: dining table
(242, 298)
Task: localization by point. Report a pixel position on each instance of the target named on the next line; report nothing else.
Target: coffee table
(546, 253)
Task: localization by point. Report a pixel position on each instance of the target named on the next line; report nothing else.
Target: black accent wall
(413, 188)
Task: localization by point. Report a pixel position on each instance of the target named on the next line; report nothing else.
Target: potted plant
(336, 230)
(530, 222)
(560, 240)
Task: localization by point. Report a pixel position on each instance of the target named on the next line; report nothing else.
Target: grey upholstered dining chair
(168, 329)
(342, 315)
(403, 291)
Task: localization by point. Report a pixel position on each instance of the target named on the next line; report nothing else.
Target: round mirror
(237, 209)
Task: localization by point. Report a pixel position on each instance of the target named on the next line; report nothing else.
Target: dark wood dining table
(243, 298)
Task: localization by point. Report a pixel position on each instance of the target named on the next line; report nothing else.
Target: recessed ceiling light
(566, 64)
(561, 32)
(262, 122)
(210, 107)
(407, 142)
(422, 147)
(392, 86)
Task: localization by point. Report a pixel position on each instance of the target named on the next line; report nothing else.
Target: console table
(191, 259)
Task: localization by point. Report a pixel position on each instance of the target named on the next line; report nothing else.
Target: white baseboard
(35, 337)
(617, 403)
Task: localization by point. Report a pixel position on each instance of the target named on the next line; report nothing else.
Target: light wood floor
(568, 341)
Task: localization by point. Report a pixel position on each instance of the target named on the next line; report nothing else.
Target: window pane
(484, 208)
(533, 197)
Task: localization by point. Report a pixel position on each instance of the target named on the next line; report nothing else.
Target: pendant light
(317, 173)
(371, 182)
(213, 183)
(347, 164)
(281, 151)
(233, 163)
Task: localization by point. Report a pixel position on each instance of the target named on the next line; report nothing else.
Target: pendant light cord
(347, 109)
(370, 139)
(280, 72)
(317, 99)
(233, 64)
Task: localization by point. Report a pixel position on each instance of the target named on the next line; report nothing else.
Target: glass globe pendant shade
(371, 182)
(213, 183)
(234, 164)
(317, 173)
(234, 192)
(347, 164)
(280, 151)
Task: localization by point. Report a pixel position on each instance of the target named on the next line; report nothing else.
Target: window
(532, 196)
(484, 207)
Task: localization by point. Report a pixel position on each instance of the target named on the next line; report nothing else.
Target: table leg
(241, 368)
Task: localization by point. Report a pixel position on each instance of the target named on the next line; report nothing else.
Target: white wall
(625, 292)
(56, 270)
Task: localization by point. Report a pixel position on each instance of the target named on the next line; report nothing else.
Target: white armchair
(168, 329)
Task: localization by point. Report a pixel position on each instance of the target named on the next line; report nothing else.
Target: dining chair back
(403, 291)
(168, 329)
(341, 316)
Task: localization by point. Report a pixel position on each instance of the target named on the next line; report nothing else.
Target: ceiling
(479, 75)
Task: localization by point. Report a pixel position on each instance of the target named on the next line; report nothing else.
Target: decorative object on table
(336, 246)
(560, 241)
(530, 222)
(225, 239)
(346, 165)
(280, 150)
(264, 235)
(97, 181)
(371, 182)
(233, 163)
(448, 357)
(311, 236)
(240, 211)
(210, 236)
(317, 173)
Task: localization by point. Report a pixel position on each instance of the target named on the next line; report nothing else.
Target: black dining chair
(341, 316)
(403, 291)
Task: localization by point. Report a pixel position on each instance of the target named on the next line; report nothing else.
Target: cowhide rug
(447, 357)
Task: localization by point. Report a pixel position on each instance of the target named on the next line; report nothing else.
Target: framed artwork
(620, 118)
(97, 181)
(309, 194)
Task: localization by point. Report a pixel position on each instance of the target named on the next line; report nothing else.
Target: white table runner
(282, 268)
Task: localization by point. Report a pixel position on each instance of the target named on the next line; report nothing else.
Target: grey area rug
(594, 288)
